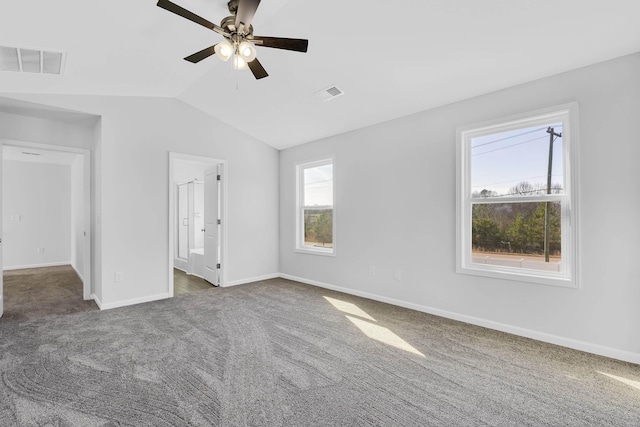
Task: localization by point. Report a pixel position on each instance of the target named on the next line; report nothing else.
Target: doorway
(197, 226)
(59, 234)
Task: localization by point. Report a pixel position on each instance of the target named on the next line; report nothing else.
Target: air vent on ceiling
(31, 60)
(329, 93)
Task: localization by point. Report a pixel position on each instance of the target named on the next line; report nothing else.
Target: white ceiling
(391, 58)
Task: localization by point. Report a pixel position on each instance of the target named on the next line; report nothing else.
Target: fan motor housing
(229, 25)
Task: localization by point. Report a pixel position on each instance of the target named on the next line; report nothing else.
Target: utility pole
(547, 205)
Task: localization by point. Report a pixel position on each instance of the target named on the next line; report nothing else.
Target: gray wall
(395, 208)
(131, 195)
(36, 213)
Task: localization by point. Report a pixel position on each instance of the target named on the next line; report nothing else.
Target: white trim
(223, 171)
(317, 251)
(40, 265)
(299, 247)
(133, 301)
(252, 279)
(181, 264)
(79, 275)
(97, 300)
(569, 274)
(588, 347)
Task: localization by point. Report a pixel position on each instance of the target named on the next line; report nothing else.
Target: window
(516, 198)
(315, 219)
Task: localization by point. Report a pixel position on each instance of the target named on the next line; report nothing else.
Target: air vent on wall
(329, 93)
(31, 60)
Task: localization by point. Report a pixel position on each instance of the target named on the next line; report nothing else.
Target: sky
(318, 186)
(499, 161)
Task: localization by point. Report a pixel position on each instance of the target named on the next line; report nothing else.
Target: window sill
(520, 275)
(316, 251)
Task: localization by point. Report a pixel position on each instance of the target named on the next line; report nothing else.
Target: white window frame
(300, 208)
(568, 276)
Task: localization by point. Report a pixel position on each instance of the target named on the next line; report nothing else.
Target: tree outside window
(315, 207)
(515, 192)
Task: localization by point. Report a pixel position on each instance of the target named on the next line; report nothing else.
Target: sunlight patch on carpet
(349, 308)
(632, 383)
(384, 335)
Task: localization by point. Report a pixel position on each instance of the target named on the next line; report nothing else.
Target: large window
(315, 218)
(516, 198)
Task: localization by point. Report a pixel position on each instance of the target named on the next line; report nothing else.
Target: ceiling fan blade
(178, 10)
(246, 10)
(298, 45)
(199, 56)
(257, 69)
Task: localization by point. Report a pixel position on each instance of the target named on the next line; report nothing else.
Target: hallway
(37, 292)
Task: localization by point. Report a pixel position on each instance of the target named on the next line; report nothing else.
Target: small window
(315, 213)
(516, 198)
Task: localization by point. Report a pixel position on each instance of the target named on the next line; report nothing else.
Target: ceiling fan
(239, 42)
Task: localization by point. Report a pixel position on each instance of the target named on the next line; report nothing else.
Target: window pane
(513, 235)
(517, 162)
(318, 186)
(318, 228)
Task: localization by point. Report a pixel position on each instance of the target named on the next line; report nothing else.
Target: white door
(1, 291)
(211, 225)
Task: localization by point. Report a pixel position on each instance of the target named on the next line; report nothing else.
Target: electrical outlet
(119, 276)
(16, 218)
(372, 270)
(40, 250)
(397, 274)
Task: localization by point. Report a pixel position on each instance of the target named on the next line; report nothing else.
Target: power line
(508, 137)
(510, 146)
(512, 136)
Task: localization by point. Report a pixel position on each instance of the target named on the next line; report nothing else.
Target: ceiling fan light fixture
(236, 29)
(239, 63)
(247, 51)
(224, 50)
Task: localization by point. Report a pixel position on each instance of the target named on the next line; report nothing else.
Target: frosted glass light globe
(224, 50)
(239, 63)
(247, 51)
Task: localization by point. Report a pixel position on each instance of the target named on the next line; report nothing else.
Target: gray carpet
(278, 353)
(31, 293)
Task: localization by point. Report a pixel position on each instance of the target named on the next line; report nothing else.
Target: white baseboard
(613, 353)
(133, 301)
(46, 264)
(97, 300)
(77, 272)
(252, 279)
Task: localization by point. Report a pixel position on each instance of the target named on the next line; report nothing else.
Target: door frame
(223, 171)
(86, 201)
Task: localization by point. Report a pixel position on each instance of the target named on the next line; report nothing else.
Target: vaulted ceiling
(390, 58)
